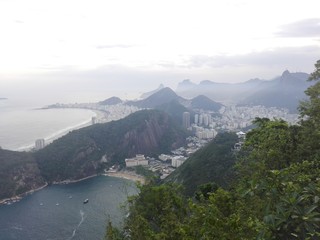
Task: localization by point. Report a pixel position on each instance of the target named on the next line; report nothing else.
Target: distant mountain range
(167, 95)
(284, 91)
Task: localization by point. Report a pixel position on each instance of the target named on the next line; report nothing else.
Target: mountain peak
(160, 97)
(185, 85)
(111, 101)
(203, 102)
(148, 94)
(286, 73)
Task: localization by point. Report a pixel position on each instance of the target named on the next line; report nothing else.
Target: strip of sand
(127, 175)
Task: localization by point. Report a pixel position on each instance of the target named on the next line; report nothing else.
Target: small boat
(57, 204)
(86, 201)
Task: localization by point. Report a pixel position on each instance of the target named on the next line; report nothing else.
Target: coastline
(20, 196)
(121, 174)
(100, 115)
(127, 175)
(68, 181)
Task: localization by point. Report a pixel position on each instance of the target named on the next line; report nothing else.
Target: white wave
(81, 221)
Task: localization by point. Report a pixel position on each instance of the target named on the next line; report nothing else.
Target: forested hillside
(213, 163)
(19, 173)
(87, 151)
(84, 152)
(276, 193)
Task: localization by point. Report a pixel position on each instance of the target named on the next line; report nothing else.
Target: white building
(204, 133)
(136, 161)
(177, 161)
(39, 144)
(186, 119)
(164, 157)
(196, 119)
(94, 120)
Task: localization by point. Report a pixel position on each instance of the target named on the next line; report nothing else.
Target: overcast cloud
(303, 28)
(90, 49)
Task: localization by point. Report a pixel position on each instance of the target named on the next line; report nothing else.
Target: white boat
(86, 201)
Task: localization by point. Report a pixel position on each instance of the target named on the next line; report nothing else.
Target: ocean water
(58, 213)
(21, 123)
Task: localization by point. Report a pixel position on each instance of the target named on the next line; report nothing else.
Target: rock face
(19, 173)
(151, 136)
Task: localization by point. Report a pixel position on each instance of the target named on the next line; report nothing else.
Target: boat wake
(81, 221)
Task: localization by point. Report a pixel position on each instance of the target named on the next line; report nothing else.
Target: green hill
(213, 163)
(19, 173)
(85, 152)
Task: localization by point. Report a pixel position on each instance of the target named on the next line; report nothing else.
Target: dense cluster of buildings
(238, 117)
(111, 112)
(205, 125)
(165, 164)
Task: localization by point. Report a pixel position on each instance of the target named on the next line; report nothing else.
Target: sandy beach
(127, 175)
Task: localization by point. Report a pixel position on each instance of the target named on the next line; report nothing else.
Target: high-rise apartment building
(40, 143)
(186, 119)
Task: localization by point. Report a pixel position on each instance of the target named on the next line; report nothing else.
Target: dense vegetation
(214, 163)
(276, 194)
(19, 173)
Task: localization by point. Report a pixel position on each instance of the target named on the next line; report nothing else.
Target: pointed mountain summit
(205, 103)
(163, 96)
(185, 85)
(148, 94)
(111, 101)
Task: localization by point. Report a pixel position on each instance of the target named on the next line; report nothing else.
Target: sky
(86, 48)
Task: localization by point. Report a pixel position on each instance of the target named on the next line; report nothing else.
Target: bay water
(21, 123)
(57, 212)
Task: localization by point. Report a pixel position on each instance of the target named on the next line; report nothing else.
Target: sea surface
(57, 212)
(22, 123)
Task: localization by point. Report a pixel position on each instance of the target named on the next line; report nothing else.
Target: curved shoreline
(122, 174)
(22, 195)
(100, 115)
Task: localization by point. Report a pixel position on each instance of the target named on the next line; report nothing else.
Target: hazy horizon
(91, 50)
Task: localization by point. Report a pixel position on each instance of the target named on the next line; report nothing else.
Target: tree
(310, 116)
(272, 145)
(113, 233)
(158, 212)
